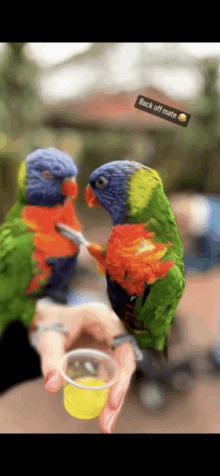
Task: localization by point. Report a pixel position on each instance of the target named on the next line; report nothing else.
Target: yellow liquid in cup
(83, 403)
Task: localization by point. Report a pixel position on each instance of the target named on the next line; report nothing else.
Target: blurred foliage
(21, 111)
(186, 158)
(192, 162)
(21, 106)
(9, 164)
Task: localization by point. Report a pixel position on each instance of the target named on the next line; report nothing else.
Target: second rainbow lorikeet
(143, 260)
(36, 260)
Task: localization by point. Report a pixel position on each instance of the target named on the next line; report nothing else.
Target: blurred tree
(186, 158)
(9, 164)
(21, 106)
(94, 55)
(20, 117)
(201, 142)
(193, 162)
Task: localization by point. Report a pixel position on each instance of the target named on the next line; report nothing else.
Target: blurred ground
(27, 408)
(199, 412)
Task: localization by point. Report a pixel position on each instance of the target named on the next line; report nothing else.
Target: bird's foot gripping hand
(77, 237)
(121, 338)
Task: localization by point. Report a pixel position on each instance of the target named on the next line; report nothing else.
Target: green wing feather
(158, 310)
(147, 203)
(17, 268)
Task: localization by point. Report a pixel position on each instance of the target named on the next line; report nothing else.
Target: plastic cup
(88, 375)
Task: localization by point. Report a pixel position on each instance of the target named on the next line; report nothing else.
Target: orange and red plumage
(133, 259)
(48, 242)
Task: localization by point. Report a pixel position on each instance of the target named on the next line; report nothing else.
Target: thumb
(52, 345)
(51, 348)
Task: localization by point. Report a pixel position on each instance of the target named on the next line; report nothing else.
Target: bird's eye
(101, 182)
(46, 174)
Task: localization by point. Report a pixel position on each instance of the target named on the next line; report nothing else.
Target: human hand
(100, 325)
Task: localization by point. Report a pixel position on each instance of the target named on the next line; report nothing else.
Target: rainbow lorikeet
(143, 260)
(35, 260)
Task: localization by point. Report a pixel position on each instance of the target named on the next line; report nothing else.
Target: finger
(124, 356)
(107, 323)
(96, 331)
(76, 324)
(52, 345)
(51, 348)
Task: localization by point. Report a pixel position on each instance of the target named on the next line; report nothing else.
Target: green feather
(147, 203)
(16, 271)
(22, 177)
(141, 188)
(16, 210)
(17, 266)
(159, 307)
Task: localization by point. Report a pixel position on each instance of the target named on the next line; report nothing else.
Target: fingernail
(113, 418)
(111, 423)
(49, 376)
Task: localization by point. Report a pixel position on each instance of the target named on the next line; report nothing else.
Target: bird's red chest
(47, 241)
(134, 259)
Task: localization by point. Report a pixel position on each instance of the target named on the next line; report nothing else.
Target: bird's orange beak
(90, 198)
(69, 187)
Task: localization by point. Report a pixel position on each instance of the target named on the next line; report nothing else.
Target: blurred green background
(100, 123)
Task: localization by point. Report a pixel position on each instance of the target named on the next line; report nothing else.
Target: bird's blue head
(49, 177)
(108, 187)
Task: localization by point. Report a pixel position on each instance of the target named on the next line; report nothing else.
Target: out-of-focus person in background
(198, 221)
